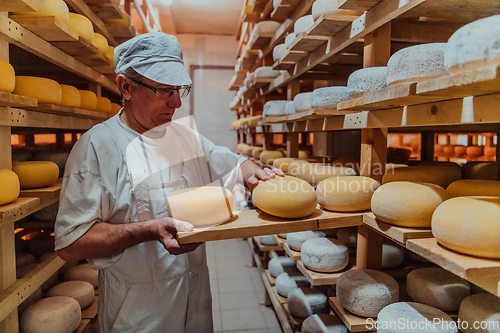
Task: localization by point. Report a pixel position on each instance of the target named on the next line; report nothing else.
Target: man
(113, 209)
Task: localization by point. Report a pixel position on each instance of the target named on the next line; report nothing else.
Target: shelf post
(292, 144)
(369, 248)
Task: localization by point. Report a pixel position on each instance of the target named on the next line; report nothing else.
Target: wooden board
(94, 60)
(485, 273)
(280, 241)
(270, 278)
(259, 43)
(49, 28)
(292, 254)
(294, 56)
(18, 6)
(48, 192)
(120, 31)
(330, 24)
(281, 12)
(357, 4)
(294, 321)
(19, 208)
(398, 234)
(324, 279)
(90, 312)
(12, 100)
(84, 326)
(307, 43)
(80, 48)
(353, 322)
(64, 110)
(265, 248)
(106, 11)
(281, 299)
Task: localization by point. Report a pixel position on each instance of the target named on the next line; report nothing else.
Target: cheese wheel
(480, 308)
(469, 225)
(303, 24)
(61, 314)
(254, 121)
(274, 108)
(44, 90)
(88, 99)
(304, 171)
(282, 236)
(70, 96)
(407, 204)
(294, 166)
(36, 174)
(473, 45)
(459, 150)
(8, 75)
(290, 107)
(410, 317)
(490, 152)
(288, 281)
(267, 28)
(480, 170)
(365, 292)
(474, 187)
(346, 193)
(257, 152)
(34, 297)
(325, 255)
(103, 105)
(9, 182)
(416, 63)
(286, 197)
(115, 109)
(82, 25)
(323, 323)
(322, 7)
(110, 54)
(439, 174)
(282, 163)
(367, 79)
(437, 287)
(474, 151)
(392, 254)
(302, 102)
(390, 166)
(348, 236)
(279, 51)
(266, 71)
(329, 97)
(289, 39)
(267, 240)
(280, 265)
(58, 157)
(201, 206)
(23, 259)
(83, 272)
(296, 239)
(268, 155)
(303, 302)
(46, 285)
(81, 291)
(100, 42)
(56, 8)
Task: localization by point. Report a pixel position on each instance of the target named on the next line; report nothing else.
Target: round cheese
(286, 197)
(274, 108)
(288, 281)
(201, 206)
(459, 150)
(81, 291)
(58, 157)
(36, 174)
(290, 107)
(437, 287)
(474, 151)
(365, 292)
(392, 254)
(289, 39)
(100, 42)
(303, 171)
(56, 8)
(267, 27)
(88, 99)
(44, 90)
(480, 170)
(23, 259)
(303, 24)
(303, 302)
(82, 25)
(473, 45)
(9, 182)
(346, 193)
(70, 96)
(282, 163)
(414, 318)
(110, 54)
(296, 239)
(322, 7)
(279, 52)
(329, 97)
(60, 314)
(293, 167)
(267, 240)
(83, 272)
(439, 174)
(407, 204)
(325, 255)
(8, 74)
(480, 308)
(280, 265)
(416, 63)
(474, 187)
(266, 71)
(115, 108)
(367, 79)
(267, 155)
(323, 323)
(257, 152)
(302, 102)
(348, 236)
(469, 225)
(103, 105)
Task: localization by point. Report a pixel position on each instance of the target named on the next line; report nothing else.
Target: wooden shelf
(49, 28)
(68, 111)
(49, 192)
(324, 279)
(294, 321)
(292, 254)
(79, 48)
(120, 31)
(17, 101)
(353, 322)
(18, 209)
(357, 4)
(265, 248)
(90, 312)
(270, 278)
(280, 241)
(19, 6)
(106, 11)
(306, 43)
(281, 299)
(330, 24)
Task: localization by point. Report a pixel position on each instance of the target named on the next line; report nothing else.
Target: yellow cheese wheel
(320, 172)
(304, 154)
(442, 174)
(110, 53)
(239, 147)
(286, 197)
(304, 171)
(88, 99)
(115, 108)
(346, 193)
(56, 8)
(61, 314)
(103, 105)
(82, 25)
(282, 163)
(294, 166)
(70, 96)
(267, 155)
(8, 81)
(257, 152)
(36, 174)
(480, 170)
(9, 183)
(470, 225)
(407, 204)
(201, 206)
(82, 291)
(474, 187)
(100, 42)
(44, 90)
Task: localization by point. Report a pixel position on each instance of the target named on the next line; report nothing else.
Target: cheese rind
(289, 39)
(88, 99)
(9, 182)
(83, 272)
(274, 108)
(288, 281)
(36, 174)
(56, 8)
(322, 7)
(103, 105)
(282, 163)
(442, 174)
(43, 89)
(267, 155)
(480, 170)
(82, 25)
(303, 24)
(367, 79)
(305, 301)
(100, 42)
(279, 51)
(392, 254)
(280, 265)
(81, 291)
(267, 240)
(323, 323)
(326, 255)
(480, 308)
(302, 102)
(346, 193)
(70, 96)
(296, 239)
(61, 314)
(8, 82)
(329, 97)
(474, 187)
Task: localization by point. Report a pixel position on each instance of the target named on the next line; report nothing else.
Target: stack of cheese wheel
(81, 291)
(480, 170)
(480, 308)
(100, 42)
(367, 79)
(407, 204)
(346, 193)
(469, 225)
(280, 265)
(53, 314)
(416, 63)
(302, 102)
(305, 301)
(9, 182)
(274, 108)
(288, 281)
(325, 255)
(295, 239)
(201, 206)
(303, 24)
(474, 187)
(348, 236)
(82, 25)
(282, 163)
(8, 82)
(329, 97)
(55, 8)
(323, 323)
(88, 99)
(103, 105)
(36, 174)
(70, 96)
(286, 197)
(44, 90)
(267, 155)
(440, 173)
(83, 272)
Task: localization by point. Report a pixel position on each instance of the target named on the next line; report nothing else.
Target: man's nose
(175, 100)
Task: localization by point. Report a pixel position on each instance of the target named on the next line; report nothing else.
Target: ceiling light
(166, 2)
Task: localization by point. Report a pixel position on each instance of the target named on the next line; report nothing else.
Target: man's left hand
(264, 175)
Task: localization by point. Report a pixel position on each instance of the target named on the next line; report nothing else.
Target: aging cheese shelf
(291, 253)
(263, 247)
(323, 279)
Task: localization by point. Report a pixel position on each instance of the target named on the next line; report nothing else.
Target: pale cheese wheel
(367, 79)
(88, 99)
(8, 82)
(82, 25)
(23, 259)
(115, 108)
(274, 108)
(103, 105)
(329, 97)
(440, 174)
(473, 45)
(392, 254)
(56, 8)
(480, 170)
(267, 28)
(483, 309)
(286, 197)
(279, 51)
(348, 236)
(36, 174)
(267, 240)
(268, 155)
(322, 7)
(325, 255)
(83, 272)
(437, 287)
(365, 292)
(303, 24)
(474, 187)
(346, 193)
(410, 317)
(280, 265)
(305, 301)
(289, 39)
(304, 171)
(266, 71)
(469, 225)
(257, 152)
(296, 239)
(282, 236)
(100, 42)
(59, 314)
(9, 182)
(323, 323)
(302, 102)
(201, 206)
(282, 163)
(44, 90)
(288, 281)
(289, 107)
(293, 167)
(416, 63)
(407, 204)
(70, 96)
(81, 291)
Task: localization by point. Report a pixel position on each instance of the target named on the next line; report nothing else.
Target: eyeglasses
(166, 93)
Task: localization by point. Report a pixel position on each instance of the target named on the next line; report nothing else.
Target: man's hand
(164, 230)
(264, 175)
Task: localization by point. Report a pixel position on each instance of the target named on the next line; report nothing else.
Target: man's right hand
(165, 230)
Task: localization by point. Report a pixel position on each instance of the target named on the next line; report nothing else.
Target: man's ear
(124, 86)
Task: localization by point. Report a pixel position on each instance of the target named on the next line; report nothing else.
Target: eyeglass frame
(155, 90)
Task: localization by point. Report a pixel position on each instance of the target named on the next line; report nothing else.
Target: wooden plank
(19, 6)
(294, 321)
(90, 312)
(270, 278)
(281, 12)
(259, 43)
(306, 43)
(294, 56)
(120, 31)
(106, 11)
(485, 273)
(34, 224)
(333, 220)
(324, 279)
(84, 326)
(7, 274)
(331, 24)
(18, 209)
(95, 60)
(357, 4)
(291, 253)
(266, 248)
(353, 322)
(398, 234)
(49, 28)
(81, 47)
(64, 110)
(12, 100)
(281, 299)
(48, 192)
